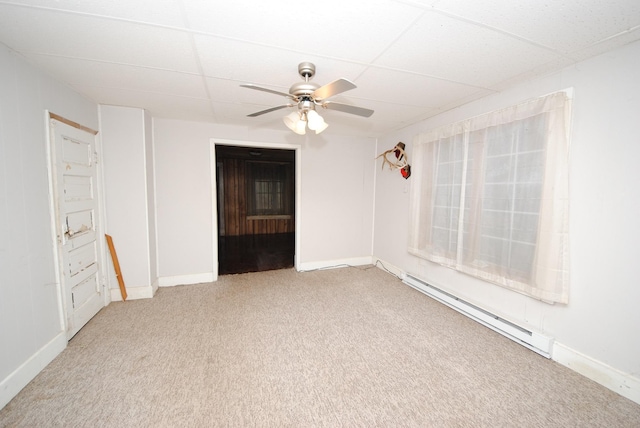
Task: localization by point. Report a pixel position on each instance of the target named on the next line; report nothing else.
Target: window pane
(448, 175)
(268, 189)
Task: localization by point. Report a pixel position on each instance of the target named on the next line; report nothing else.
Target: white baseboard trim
(622, 383)
(330, 264)
(198, 278)
(148, 291)
(13, 384)
(133, 293)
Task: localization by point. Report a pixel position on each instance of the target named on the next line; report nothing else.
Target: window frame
(433, 216)
(270, 172)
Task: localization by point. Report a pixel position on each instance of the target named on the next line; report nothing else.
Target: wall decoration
(401, 161)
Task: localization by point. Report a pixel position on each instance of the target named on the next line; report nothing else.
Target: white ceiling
(411, 59)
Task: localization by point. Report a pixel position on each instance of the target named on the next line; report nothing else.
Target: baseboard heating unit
(534, 341)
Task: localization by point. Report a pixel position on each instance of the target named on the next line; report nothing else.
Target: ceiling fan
(307, 96)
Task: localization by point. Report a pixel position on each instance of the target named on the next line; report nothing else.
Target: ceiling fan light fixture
(291, 120)
(300, 127)
(296, 121)
(322, 127)
(316, 122)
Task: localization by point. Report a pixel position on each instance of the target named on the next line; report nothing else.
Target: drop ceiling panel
(161, 12)
(333, 28)
(116, 76)
(413, 89)
(224, 58)
(563, 25)
(276, 68)
(439, 46)
(229, 91)
(159, 105)
(607, 45)
(397, 116)
(78, 36)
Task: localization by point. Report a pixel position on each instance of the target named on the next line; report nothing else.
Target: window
(490, 197)
(269, 189)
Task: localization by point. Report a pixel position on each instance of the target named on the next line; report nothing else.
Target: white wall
(125, 139)
(598, 332)
(31, 332)
(336, 203)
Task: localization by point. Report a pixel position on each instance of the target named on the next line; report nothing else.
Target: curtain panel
(490, 197)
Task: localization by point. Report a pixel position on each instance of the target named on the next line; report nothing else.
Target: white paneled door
(73, 153)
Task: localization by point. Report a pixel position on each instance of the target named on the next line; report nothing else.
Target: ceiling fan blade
(269, 110)
(334, 88)
(271, 91)
(346, 108)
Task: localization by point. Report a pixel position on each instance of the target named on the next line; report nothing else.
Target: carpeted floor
(350, 347)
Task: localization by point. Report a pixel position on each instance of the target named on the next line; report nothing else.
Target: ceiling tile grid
(95, 38)
(162, 105)
(353, 30)
(561, 25)
(410, 59)
(112, 75)
(440, 46)
(159, 12)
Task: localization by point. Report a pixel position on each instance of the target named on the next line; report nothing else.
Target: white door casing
(76, 202)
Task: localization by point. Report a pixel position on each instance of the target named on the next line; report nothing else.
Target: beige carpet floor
(349, 347)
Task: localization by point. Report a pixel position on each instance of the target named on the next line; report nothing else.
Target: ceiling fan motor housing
(304, 89)
(307, 70)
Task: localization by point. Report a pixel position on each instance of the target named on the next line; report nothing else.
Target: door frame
(55, 214)
(214, 190)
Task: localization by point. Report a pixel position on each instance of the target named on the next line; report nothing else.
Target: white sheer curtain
(490, 197)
